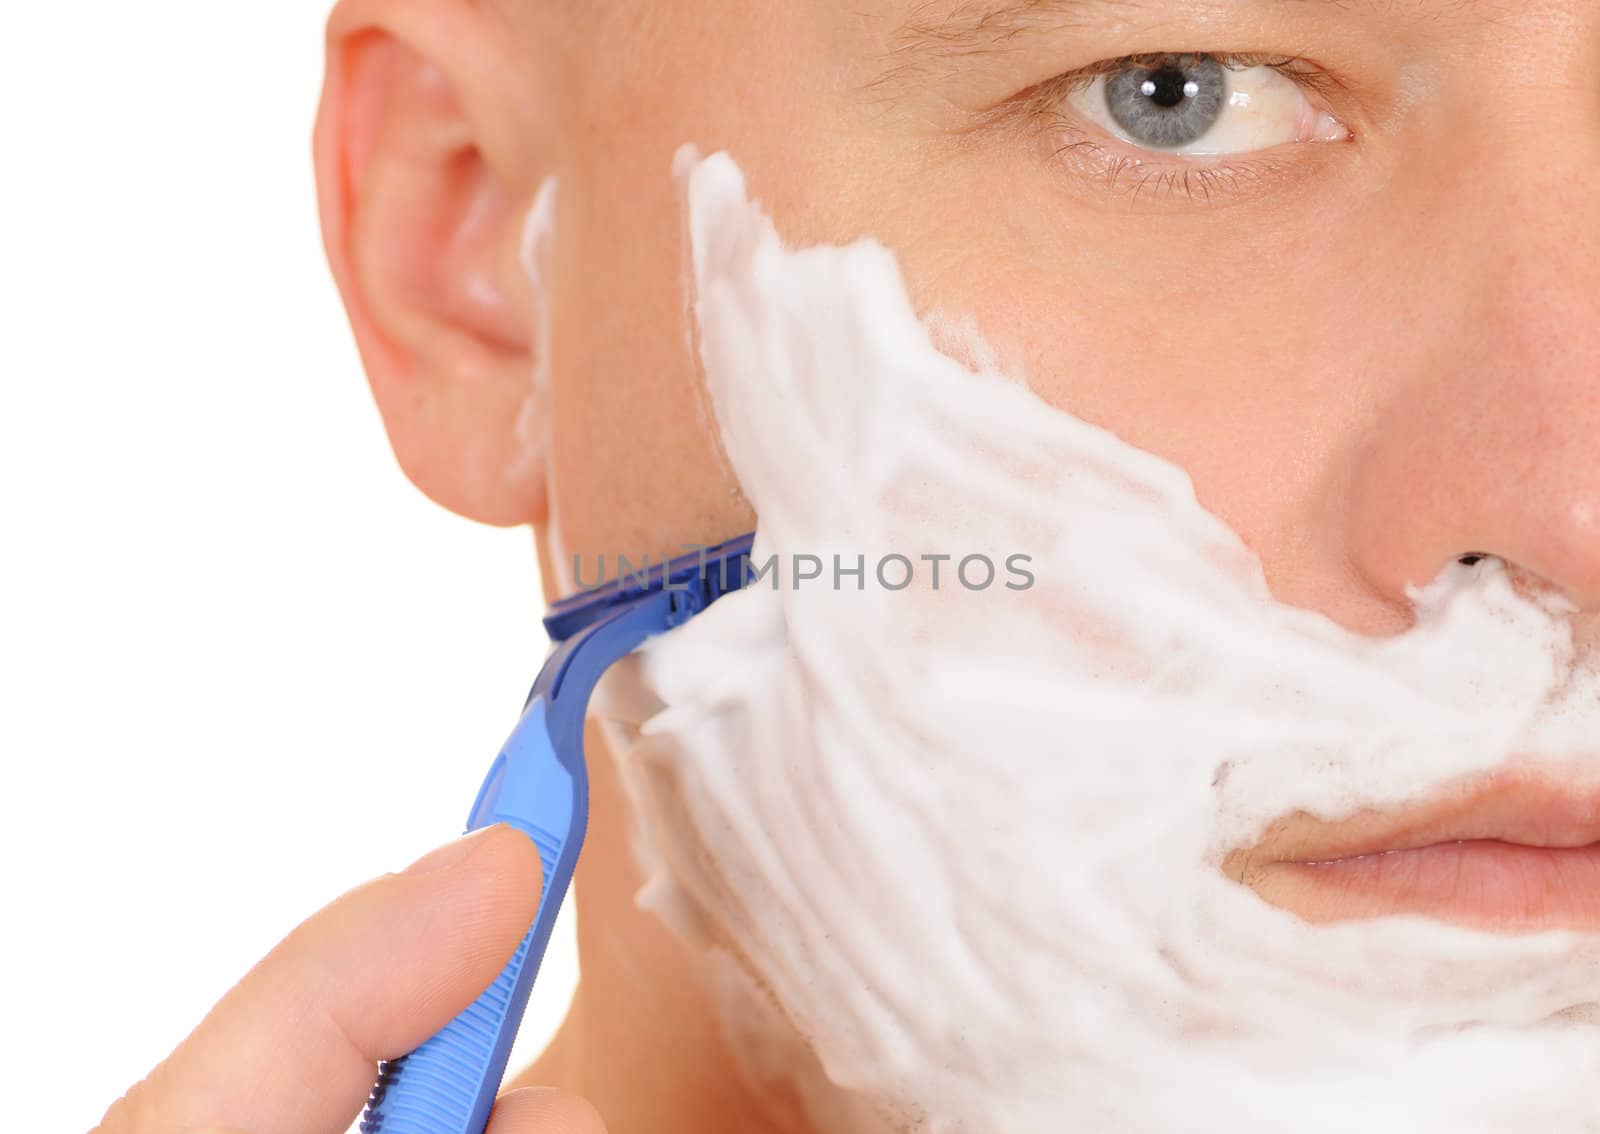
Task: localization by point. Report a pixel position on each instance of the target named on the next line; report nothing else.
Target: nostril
(1470, 558)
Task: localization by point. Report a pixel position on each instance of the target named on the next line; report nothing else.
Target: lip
(1517, 850)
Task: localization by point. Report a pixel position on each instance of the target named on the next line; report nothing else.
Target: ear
(428, 155)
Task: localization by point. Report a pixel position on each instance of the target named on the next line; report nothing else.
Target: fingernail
(449, 855)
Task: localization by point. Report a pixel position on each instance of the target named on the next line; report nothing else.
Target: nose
(1488, 443)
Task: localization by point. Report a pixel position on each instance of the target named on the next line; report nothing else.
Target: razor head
(691, 581)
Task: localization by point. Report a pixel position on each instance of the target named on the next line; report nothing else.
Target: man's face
(1373, 352)
(1354, 296)
(1336, 260)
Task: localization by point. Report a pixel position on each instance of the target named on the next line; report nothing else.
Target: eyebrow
(940, 29)
(976, 25)
(937, 34)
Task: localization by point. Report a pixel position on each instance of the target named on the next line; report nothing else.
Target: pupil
(1168, 103)
(1165, 87)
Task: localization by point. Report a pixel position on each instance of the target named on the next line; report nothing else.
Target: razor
(539, 784)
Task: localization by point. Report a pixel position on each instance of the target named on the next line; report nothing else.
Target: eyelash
(1043, 106)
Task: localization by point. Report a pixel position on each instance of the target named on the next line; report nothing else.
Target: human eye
(1201, 104)
(1143, 120)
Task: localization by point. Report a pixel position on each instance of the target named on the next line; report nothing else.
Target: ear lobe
(423, 236)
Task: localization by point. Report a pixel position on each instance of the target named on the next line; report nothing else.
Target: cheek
(637, 469)
(1253, 371)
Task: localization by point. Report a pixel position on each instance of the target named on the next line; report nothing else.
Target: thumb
(541, 1110)
(530, 1110)
(294, 1047)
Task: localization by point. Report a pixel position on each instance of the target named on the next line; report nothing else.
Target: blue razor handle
(539, 784)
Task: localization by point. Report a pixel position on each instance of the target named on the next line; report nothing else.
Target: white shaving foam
(966, 842)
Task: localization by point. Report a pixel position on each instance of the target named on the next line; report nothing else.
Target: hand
(294, 1047)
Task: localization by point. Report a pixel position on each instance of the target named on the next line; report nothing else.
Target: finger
(542, 1110)
(293, 1048)
(529, 1110)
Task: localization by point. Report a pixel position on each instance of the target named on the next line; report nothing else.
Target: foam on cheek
(969, 839)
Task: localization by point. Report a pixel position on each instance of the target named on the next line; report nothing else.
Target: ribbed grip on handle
(448, 1085)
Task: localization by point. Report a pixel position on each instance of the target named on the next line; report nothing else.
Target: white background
(246, 665)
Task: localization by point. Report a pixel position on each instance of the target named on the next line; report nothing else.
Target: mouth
(1516, 851)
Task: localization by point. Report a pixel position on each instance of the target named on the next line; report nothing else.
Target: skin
(1372, 354)
(292, 1048)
